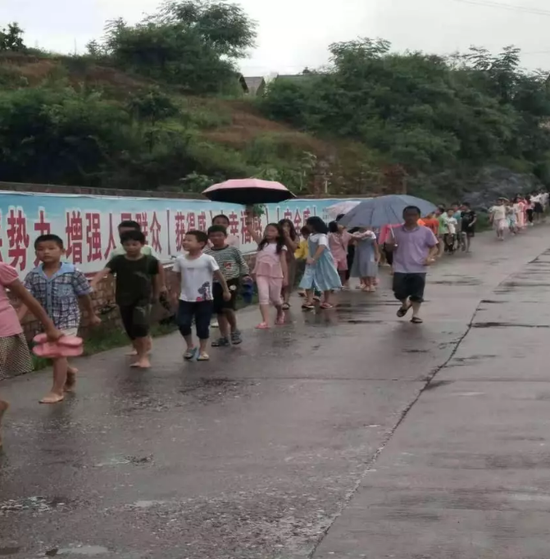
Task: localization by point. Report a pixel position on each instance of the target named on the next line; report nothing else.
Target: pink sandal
(67, 346)
(280, 320)
(262, 326)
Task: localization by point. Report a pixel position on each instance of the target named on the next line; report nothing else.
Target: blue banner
(88, 224)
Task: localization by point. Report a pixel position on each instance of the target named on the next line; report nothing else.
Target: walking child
(338, 242)
(138, 285)
(270, 270)
(195, 272)
(234, 269)
(291, 242)
(15, 357)
(468, 225)
(321, 272)
(498, 218)
(59, 287)
(130, 225)
(223, 220)
(367, 258)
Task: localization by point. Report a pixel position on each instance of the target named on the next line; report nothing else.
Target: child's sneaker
(236, 337)
(220, 342)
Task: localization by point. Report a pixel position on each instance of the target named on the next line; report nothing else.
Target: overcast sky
(295, 33)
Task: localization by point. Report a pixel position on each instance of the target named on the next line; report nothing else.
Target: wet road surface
(343, 434)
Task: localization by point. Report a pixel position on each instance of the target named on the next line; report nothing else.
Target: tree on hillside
(423, 111)
(11, 38)
(191, 43)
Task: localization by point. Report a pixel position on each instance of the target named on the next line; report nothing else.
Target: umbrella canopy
(248, 192)
(341, 208)
(384, 210)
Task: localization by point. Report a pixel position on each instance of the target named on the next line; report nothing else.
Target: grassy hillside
(190, 143)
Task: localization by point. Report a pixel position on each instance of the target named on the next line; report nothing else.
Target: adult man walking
(414, 248)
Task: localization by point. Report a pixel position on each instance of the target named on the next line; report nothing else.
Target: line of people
(208, 275)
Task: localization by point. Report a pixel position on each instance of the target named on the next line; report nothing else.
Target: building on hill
(256, 86)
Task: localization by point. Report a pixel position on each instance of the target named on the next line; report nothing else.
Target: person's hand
(163, 289)
(285, 282)
(53, 334)
(227, 295)
(246, 279)
(429, 261)
(95, 320)
(310, 261)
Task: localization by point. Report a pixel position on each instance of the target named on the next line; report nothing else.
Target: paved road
(346, 434)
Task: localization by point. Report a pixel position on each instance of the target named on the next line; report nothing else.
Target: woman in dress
(367, 257)
(321, 272)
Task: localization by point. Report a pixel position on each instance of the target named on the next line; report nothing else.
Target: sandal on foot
(308, 307)
(221, 342)
(286, 306)
(189, 354)
(326, 306)
(416, 320)
(262, 326)
(403, 311)
(203, 356)
(280, 320)
(236, 338)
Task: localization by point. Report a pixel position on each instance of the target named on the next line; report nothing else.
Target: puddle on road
(5, 551)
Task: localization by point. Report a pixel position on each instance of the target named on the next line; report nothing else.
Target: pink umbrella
(248, 192)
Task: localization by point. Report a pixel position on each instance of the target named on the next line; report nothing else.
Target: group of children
(515, 215)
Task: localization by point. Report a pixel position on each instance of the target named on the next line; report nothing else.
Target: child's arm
(82, 290)
(253, 233)
(160, 279)
(219, 277)
(29, 303)
(243, 266)
(99, 277)
(377, 251)
(317, 255)
(290, 244)
(284, 266)
(176, 282)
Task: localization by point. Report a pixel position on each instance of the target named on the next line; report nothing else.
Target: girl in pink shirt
(14, 351)
(338, 242)
(270, 271)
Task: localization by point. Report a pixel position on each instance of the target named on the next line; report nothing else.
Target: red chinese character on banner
(42, 227)
(298, 221)
(141, 218)
(288, 214)
(18, 238)
(93, 236)
(111, 244)
(155, 233)
(74, 236)
(245, 234)
(190, 221)
(201, 218)
(233, 223)
(179, 218)
(126, 216)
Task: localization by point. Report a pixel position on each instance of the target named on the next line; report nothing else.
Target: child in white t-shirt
(195, 272)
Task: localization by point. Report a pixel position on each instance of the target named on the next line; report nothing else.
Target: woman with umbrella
(321, 272)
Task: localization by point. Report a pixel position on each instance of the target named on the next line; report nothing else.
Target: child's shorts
(220, 304)
(341, 264)
(135, 319)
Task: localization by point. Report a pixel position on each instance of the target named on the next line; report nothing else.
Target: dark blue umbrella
(384, 210)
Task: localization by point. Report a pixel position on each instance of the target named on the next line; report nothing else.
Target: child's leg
(327, 299)
(57, 393)
(262, 283)
(223, 324)
(186, 312)
(275, 288)
(203, 317)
